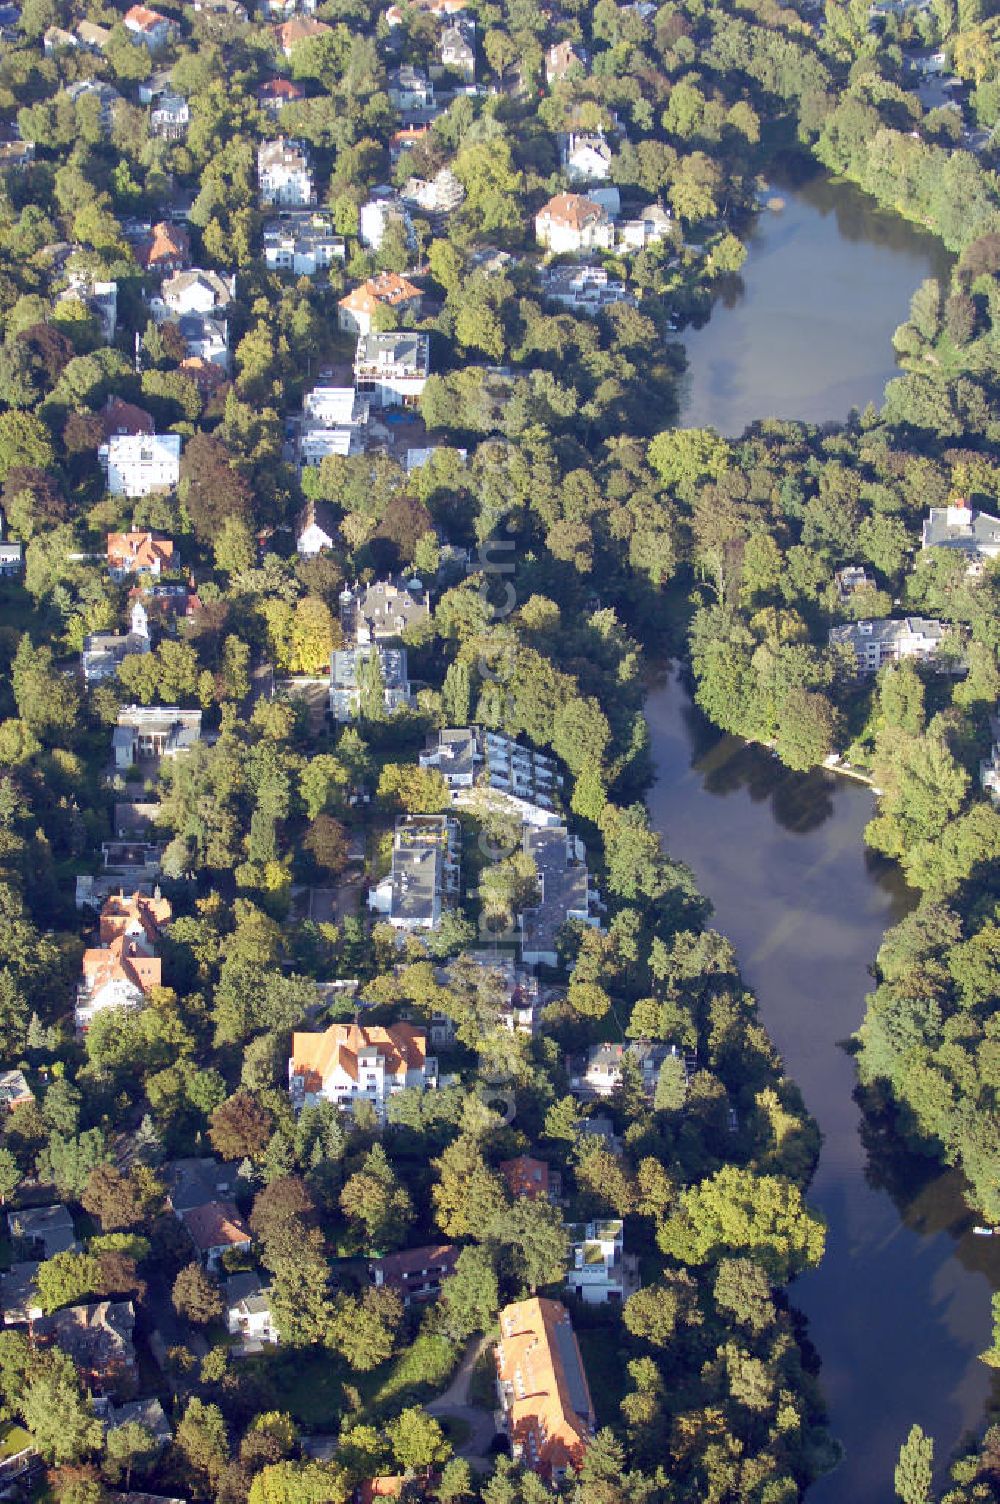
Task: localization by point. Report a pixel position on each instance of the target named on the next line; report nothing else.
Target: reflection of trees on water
(800, 802)
(929, 1199)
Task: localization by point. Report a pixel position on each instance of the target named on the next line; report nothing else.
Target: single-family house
(216, 1228)
(598, 1072)
(570, 223)
(961, 528)
(392, 368)
(317, 529)
(120, 418)
(299, 29)
(544, 1399)
(457, 47)
(383, 610)
(851, 579)
(353, 1062)
(140, 553)
(167, 248)
(416, 1274)
(18, 1295)
(273, 95)
(436, 197)
(146, 733)
(42, 1230)
(193, 291)
(170, 117)
(410, 89)
(651, 226)
(601, 1273)
(356, 310)
(103, 653)
(284, 173)
(137, 464)
(585, 156)
(11, 560)
(56, 38)
(877, 642)
(106, 98)
(198, 1181)
(566, 892)
(92, 37)
(563, 59)
(98, 1337)
(530, 1179)
(383, 209)
(248, 1313)
(118, 975)
(15, 156)
(14, 1090)
(149, 27)
(148, 1413)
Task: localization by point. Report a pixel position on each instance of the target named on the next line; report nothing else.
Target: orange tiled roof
(316, 1056)
(387, 288)
(298, 29)
(217, 1224)
(388, 1487)
(139, 550)
(526, 1176)
(281, 88)
(169, 243)
(143, 17)
(546, 1401)
(409, 134)
(120, 913)
(121, 961)
(572, 209)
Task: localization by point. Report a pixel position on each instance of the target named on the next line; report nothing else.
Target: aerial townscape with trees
(382, 1114)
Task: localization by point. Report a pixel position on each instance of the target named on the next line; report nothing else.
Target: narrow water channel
(900, 1306)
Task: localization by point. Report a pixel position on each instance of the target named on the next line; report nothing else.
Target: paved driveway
(455, 1404)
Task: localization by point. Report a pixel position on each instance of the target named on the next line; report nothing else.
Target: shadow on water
(900, 1307)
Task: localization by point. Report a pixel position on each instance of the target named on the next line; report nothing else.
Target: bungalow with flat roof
(566, 893)
(964, 530)
(545, 1406)
(415, 1274)
(875, 643)
(425, 875)
(349, 673)
(392, 368)
(601, 1273)
(146, 733)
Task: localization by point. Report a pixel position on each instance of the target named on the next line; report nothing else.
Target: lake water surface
(806, 330)
(900, 1307)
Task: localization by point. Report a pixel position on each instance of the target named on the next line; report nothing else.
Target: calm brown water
(806, 330)
(900, 1307)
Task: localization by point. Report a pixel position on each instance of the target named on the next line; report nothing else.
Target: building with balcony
(350, 1062)
(425, 875)
(545, 1406)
